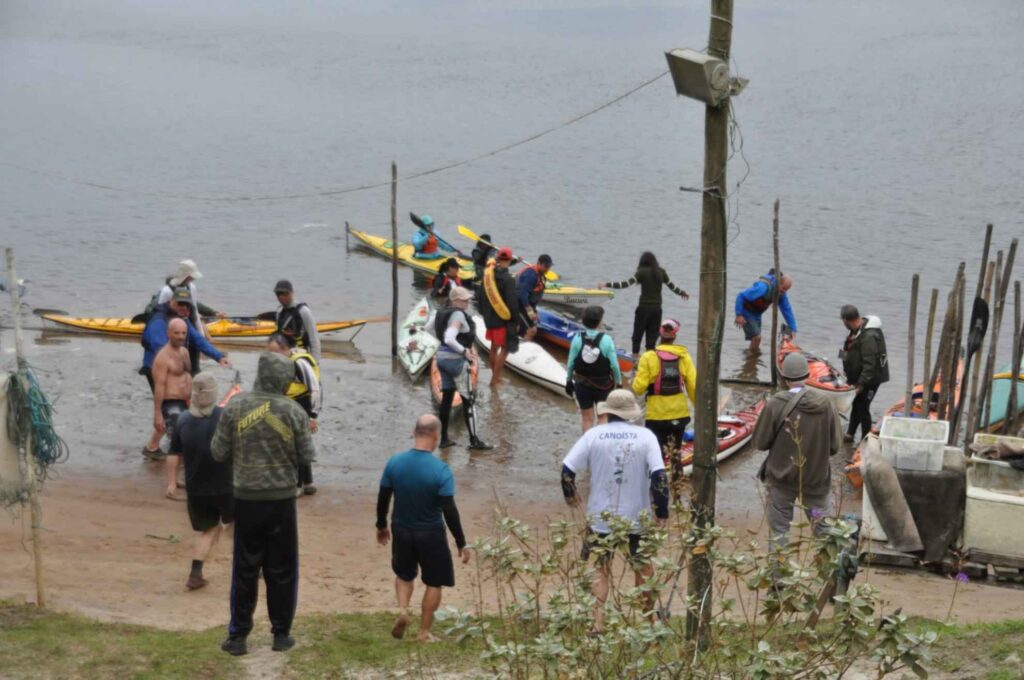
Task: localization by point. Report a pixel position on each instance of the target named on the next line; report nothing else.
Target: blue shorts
(451, 370)
(752, 328)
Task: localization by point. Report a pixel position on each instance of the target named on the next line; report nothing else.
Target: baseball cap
(181, 294)
(669, 328)
(283, 286)
(505, 254)
(460, 293)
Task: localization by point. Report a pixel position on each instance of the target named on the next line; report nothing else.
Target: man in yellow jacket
(667, 376)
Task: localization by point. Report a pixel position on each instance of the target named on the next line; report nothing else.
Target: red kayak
(734, 432)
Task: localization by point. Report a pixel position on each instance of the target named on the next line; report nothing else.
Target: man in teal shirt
(592, 371)
(424, 492)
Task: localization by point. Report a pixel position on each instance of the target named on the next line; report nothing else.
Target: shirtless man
(172, 388)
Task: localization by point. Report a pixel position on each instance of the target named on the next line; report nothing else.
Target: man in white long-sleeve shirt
(454, 327)
(295, 320)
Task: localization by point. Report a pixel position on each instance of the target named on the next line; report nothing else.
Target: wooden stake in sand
(394, 259)
(28, 468)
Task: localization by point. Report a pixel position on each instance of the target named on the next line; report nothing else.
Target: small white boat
(416, 343)
(531, 361)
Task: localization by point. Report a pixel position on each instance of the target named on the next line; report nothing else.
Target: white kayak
(416, 343)
(531, 361)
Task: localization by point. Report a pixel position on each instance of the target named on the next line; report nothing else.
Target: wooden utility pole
(27, 465)
(775, 298)
(394, 259)
(711, 314)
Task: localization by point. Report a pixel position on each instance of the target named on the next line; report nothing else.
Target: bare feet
(172, 494)
(425, 636)
(398, 631)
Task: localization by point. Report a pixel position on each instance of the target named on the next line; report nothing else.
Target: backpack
(670, 379)
(592, 367)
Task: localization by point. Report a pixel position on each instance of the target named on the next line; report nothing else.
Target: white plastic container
(994, 510)
(914, 443)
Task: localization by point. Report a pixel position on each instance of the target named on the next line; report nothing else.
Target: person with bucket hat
(627, 473)
(296, 320)
(185, 276)
(667, 375)
(800, 430)
(207, 482)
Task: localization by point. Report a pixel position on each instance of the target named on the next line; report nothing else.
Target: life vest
(443, 320)
(298, 389)
(494, 295)
(430, 247)
(289, 322)
(670, 379)
(592, 367)
(761, 304)
(537, 292)
(442, 283)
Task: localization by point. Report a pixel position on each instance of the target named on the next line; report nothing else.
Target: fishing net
(29, 428)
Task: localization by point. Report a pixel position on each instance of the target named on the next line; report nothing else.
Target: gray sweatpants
(779, 511)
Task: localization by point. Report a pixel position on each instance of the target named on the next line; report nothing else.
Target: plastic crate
(914, 443)
(994, 511)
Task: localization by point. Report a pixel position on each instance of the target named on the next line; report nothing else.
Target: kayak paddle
(978, 328)
(471, 235)
(42, 311)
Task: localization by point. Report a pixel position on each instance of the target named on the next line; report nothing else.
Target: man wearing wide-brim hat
(626, 472)
(800, 430)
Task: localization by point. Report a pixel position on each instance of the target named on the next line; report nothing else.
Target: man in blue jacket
(530, 287)
(155, 337)
(756, 300)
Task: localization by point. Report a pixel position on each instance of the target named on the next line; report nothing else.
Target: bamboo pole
(956, 396)
(712, 320)
(927, 385)
(984, 259)
(908, 403)
(27, 465)
(946, 350)
(775, 298)
(972, 412)
(394, 259)
(990, 365)
(1018, 338)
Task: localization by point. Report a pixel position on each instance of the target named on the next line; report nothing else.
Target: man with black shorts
(424, 492)
(207, 482)
(172, 387)
(626, 473)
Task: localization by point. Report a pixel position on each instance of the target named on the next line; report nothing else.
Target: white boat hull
(531, 361)
(416, 344)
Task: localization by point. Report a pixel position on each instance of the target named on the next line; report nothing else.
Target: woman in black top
(647, 318)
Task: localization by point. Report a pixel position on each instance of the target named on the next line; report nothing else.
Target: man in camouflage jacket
(266, 437)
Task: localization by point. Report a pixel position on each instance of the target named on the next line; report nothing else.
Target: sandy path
(99, 560)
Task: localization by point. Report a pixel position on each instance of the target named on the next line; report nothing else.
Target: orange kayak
(435, 383)
(823, 377)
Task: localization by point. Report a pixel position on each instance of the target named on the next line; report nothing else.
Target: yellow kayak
(557, 292)
(231, 327)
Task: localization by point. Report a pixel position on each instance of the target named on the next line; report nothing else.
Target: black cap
(283, 286)
(545, 260)
(182, 294)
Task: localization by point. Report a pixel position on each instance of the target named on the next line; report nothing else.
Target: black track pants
(305, 475)
(646, 321)
(860, 412)
(267, 538)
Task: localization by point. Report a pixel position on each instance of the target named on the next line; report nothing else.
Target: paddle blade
(267, 316)
(140, 318)
(40, 311)
(467, 232)
(979, 326)
(416, 220)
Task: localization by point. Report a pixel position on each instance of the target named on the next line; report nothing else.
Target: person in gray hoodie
(800, 430)
(266, 436)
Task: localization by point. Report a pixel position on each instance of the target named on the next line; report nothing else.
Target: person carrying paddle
(647, 317)
(865, 363)
(446, 279)
(753, 302)
(800, 430)
(455, 328)
(305, 389)
(530, 286)
(427, 245)
(295, 320)
(592, 371)
(499, 305)
(667, 376)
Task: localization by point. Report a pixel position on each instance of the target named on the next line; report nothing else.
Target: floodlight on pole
(702, 77)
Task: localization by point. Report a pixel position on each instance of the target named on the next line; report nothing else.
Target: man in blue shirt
(424, 492)
(756, 300)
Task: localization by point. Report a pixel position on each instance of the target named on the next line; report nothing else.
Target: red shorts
(498, 336)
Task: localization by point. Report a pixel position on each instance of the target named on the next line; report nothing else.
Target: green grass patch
(994, 651)
(39, 644)
(346, 645)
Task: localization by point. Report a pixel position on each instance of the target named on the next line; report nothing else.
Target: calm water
(890, 131)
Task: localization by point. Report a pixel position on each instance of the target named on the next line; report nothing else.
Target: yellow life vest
(298, 388)
(494, 295)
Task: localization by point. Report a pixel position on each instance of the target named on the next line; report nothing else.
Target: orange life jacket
(431, 245)
(539, 286)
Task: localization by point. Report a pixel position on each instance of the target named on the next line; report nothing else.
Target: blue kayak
(559, 331)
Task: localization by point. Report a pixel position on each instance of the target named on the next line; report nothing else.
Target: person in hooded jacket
(800, 430)
(866, 365)
(667, 376)
(266, 437)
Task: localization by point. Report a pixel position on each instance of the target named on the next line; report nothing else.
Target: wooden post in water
(984, 259)
(26, 463)
(1018, 339)
(990, 365)
(908, 403)
(711, 313)
(927, 384)
(775, 298)
(394, 259)
(972, 413)
(959, 391)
